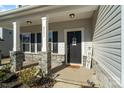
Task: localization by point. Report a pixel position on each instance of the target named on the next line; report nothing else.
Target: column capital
(16, 22)
(44, 18)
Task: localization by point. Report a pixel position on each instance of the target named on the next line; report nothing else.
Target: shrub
(1, 74)
(26, 75)
(6, 68)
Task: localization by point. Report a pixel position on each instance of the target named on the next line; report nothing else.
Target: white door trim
(82, 43)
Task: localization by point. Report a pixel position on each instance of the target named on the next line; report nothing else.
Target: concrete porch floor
(73, 77)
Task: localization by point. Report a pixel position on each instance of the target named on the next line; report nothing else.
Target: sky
(6, 7)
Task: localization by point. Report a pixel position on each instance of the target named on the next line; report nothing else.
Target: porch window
(53, 41)
(30, 42)
(26, 42)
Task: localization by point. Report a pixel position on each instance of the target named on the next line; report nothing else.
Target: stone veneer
(45, 63)
(0, 57)
(43, 58)
(57, 60)
(103, 77)
(16, 58)
(32, 57)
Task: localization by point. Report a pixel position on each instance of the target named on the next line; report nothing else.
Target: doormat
(74, 66)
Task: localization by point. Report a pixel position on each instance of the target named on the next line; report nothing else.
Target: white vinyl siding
(107, 40)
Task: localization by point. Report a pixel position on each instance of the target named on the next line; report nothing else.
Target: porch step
(82, 84)
(70, 81)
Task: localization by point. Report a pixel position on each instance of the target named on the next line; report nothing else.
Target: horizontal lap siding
(107, 40)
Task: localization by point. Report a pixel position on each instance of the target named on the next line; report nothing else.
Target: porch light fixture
(72, 15)
(28, 22)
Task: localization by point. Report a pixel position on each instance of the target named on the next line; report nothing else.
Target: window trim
(53, 42)
(30, 42)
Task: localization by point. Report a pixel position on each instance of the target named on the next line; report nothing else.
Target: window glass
(25, 47)
(26, 38)
(32, 37)
(53, 41)
(50, 36)
(38, 37)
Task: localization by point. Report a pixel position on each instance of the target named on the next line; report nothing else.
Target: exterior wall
(6, 45)
(61, 26)
(32, 57)
(56, 60)
(59, 58)
(107, 44)
(105, 79)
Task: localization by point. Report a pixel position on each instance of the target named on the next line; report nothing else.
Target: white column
(122, 46)
(16, 36)
(44, 34)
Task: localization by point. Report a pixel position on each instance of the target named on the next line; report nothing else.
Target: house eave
(26, 11)
(34, 9)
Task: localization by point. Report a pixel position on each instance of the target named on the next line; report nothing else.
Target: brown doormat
(74, 66)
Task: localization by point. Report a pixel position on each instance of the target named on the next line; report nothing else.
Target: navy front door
(74, 47)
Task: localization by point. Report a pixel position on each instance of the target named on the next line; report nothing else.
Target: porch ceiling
(59, 17)
(56, 15)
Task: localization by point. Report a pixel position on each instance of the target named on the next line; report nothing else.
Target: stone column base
(17, 58)
(45, 63)
(0, 57)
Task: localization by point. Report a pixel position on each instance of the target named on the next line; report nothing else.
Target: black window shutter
(55, 42)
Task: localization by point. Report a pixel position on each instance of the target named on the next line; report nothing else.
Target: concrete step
(82, 84)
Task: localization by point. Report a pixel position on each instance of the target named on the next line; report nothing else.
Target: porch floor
(73, 77)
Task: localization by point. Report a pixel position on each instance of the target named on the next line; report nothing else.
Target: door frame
(82, 43)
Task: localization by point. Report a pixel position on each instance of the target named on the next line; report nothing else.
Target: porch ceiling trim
(29, 10)
(26, 11)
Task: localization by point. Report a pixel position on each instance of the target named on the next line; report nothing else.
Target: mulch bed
(43, 83)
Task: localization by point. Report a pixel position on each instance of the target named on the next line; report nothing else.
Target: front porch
(44, 39)
(74, 77)
(50, 33)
